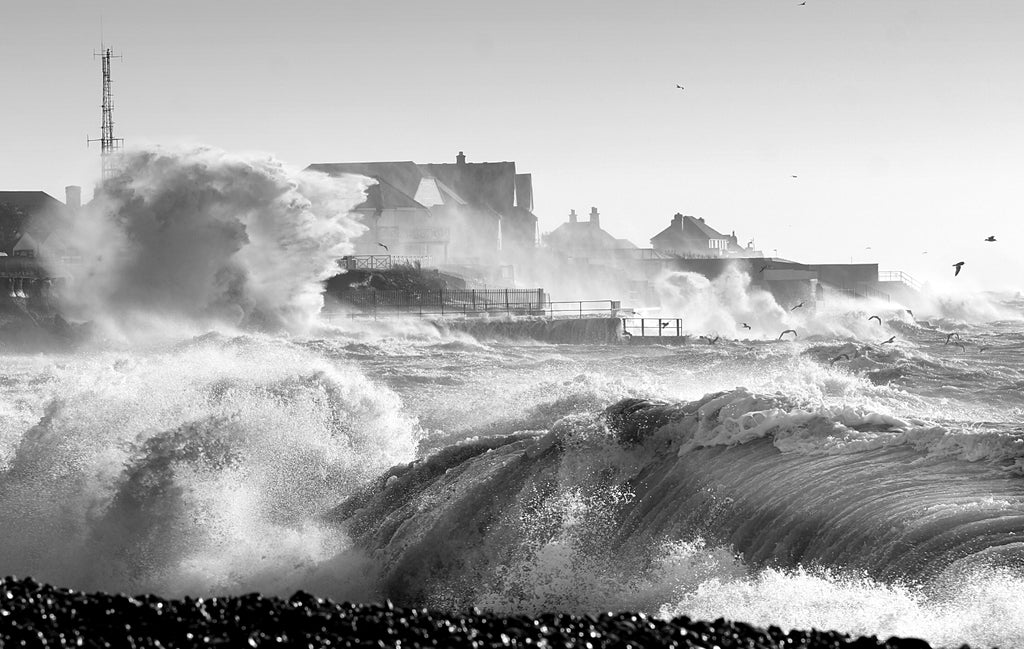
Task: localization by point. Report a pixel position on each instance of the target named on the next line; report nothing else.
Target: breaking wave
(202, 468)
(198, 237)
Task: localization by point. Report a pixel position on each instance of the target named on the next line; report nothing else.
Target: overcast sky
(902, 119)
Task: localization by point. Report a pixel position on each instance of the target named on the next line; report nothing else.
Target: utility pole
(109, 144)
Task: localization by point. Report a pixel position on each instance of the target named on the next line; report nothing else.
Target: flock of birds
(951, 338)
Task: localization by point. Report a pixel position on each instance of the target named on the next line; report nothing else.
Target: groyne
(574, 330)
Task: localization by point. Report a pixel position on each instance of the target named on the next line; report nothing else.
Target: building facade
(689, 236)
(458, 213)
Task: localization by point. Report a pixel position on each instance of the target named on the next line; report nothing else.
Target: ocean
(766, 481)
(209, 434)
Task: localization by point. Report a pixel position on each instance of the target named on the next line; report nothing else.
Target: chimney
(73, 197)
(595, 218)
(572, 216)
(460, 159)
(677, 221)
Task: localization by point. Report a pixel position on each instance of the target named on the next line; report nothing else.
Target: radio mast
(109, 144)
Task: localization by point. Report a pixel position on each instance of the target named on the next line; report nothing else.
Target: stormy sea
(211, 434)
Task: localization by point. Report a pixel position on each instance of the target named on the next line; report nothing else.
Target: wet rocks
(38, 615)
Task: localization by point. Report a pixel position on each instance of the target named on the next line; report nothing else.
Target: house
(584, 239)
(453, 213)
(31, 219)
(687, 236)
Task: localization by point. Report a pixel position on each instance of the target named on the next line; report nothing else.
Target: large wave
(647, 502)
(200, 469)
(203, 237)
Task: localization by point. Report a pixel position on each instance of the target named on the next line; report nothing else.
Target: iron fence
(473, 303)
(643, 327)
(899, 276)
(382, 262)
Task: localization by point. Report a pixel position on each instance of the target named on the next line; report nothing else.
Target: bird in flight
(802, 3)
(839, 357)
(763, 268)
(745, 325)
(664, 323)
(958, 265)
(383, 246)
(787, 331)
(990, 238)
(874, 317)
(792, 176)
(797, 307)
(891, 340)
(680, 87)
(951, 336)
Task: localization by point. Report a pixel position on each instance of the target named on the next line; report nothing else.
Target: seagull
(763, 268)
(797, 307)
(792, 176)
(951, 336)
(908, 311)
(802, 3)
(711, 341)
(680, 87)
(664, 323)
(891, 340)
(958, 265)
(745, 325)
(874, 317)
(383, 246)
(837, 358)
(991, 238)
(787, 331)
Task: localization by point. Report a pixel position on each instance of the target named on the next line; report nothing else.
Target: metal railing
(898, 276)
(382, 262)
(584, 309)
(667, 327)
(551, 310)
(451, 299)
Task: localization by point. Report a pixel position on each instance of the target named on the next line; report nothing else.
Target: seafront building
(473, 226)
(461, 213)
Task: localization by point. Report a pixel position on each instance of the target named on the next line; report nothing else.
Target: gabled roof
(384, 195)
(704, 228)
(30, 202)
(397, 182)
(582, 234)
(27, 212)
(490, 187)
(403, 176)
(492, 184)
(676, 232)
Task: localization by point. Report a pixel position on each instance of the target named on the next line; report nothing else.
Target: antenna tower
(109, 144)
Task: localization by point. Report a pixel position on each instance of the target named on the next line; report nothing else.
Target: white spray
(201, 236)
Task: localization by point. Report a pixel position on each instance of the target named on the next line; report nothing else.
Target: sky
(901, 120)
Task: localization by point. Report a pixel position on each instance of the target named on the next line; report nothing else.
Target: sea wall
(577, 330)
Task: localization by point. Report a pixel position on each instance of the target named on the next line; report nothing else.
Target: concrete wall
(582, 330)
(846, 275)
